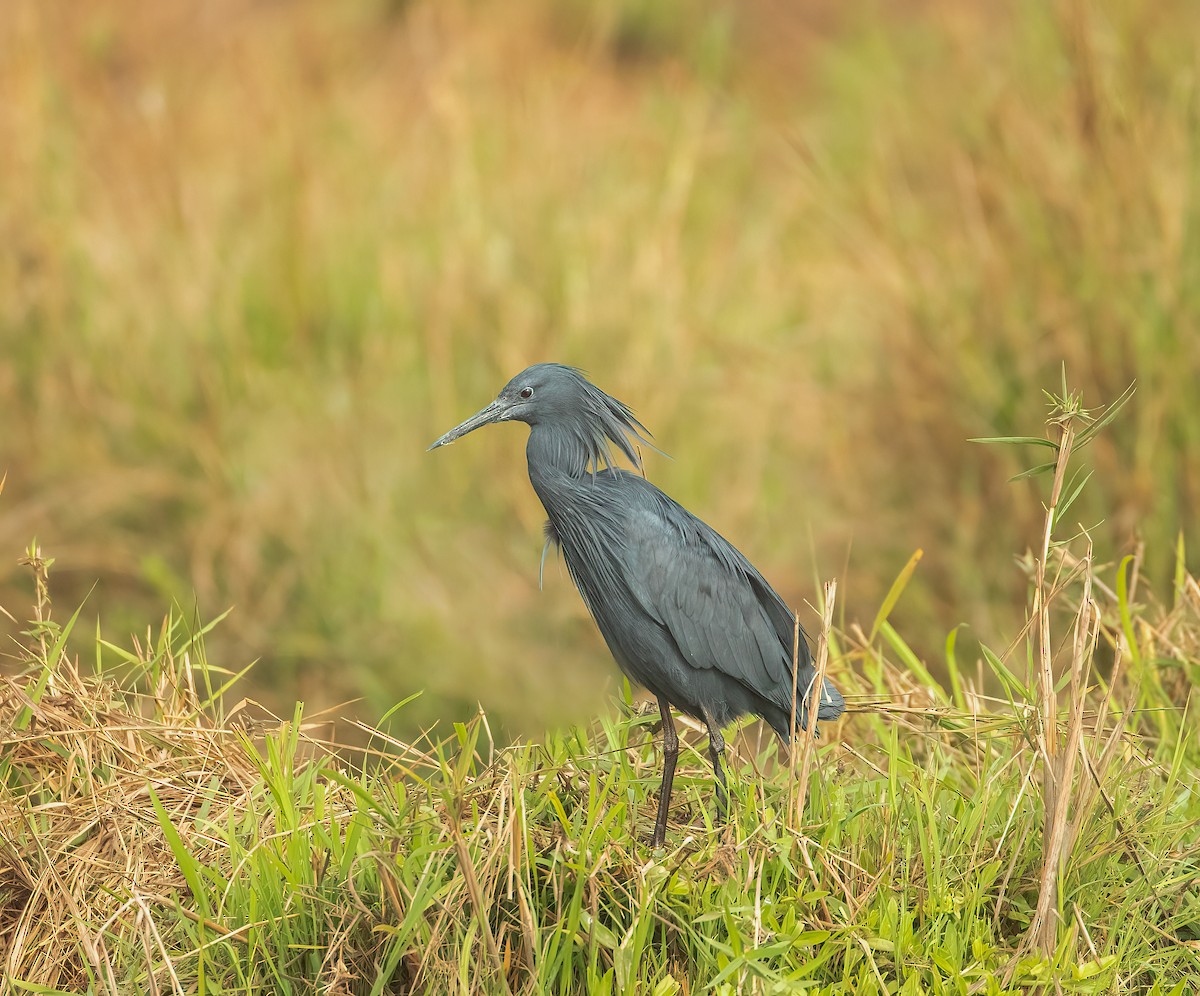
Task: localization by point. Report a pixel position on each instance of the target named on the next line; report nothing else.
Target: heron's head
(557, 396)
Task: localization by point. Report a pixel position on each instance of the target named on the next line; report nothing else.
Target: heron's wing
(719, 610)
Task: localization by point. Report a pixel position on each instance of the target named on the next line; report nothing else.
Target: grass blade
(1015, 440)
(894, 593)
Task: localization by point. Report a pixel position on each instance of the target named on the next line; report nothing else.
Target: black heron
(683, 612)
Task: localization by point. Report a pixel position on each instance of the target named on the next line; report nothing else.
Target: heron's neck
(558, 456)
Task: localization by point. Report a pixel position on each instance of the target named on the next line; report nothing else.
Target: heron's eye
(527, 393)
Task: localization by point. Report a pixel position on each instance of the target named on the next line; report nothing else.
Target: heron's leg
(716, 750)
(670, 753)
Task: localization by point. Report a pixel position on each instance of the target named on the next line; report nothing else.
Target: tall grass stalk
(804, 742)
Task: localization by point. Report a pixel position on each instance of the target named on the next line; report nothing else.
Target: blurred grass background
(257, 255)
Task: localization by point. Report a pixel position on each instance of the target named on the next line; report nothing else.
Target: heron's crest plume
(592, 422)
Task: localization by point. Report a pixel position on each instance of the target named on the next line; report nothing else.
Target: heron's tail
(829, 706)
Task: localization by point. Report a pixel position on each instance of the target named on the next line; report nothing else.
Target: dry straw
(83, 857)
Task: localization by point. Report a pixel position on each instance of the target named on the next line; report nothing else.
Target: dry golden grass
(84, 863)
(84, 860)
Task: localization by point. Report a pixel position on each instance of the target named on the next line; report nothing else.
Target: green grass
(277, 869)
(817, 248)
(155, 837)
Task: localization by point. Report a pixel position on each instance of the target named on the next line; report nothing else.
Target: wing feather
(710, 599)
(715, 606)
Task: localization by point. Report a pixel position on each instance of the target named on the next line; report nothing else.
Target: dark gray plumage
(683, 612)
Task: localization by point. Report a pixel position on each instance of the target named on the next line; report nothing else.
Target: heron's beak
(495, 412)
